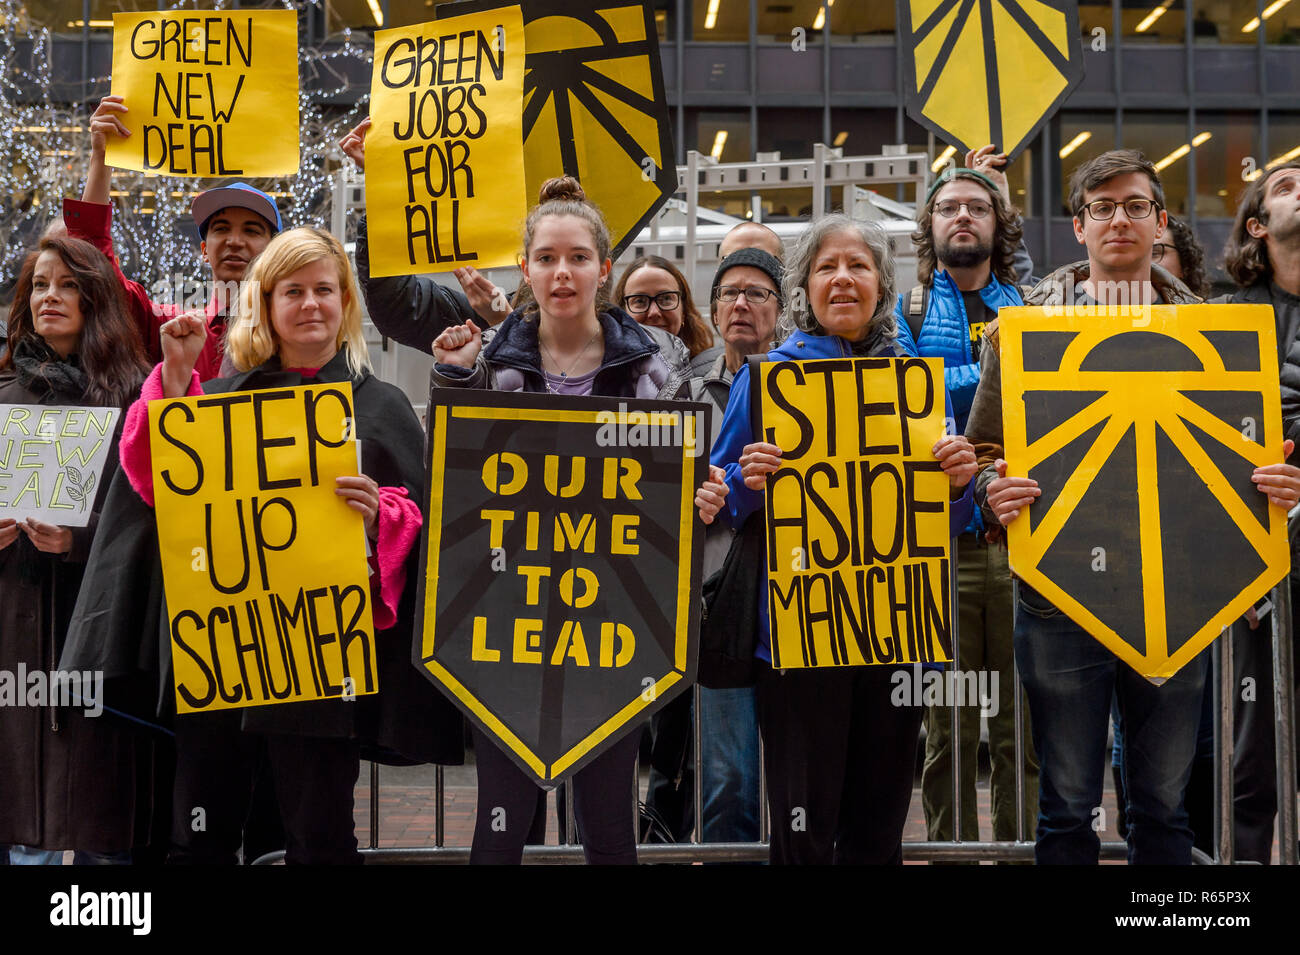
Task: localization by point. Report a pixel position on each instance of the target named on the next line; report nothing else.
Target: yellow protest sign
(1142, 427)
(595, 107)
(444, 155)
(988, 72)
(561, 580)
(857, 515)
(264, 565)
(210, 93)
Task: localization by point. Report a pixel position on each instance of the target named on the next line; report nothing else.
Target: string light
(45, 151)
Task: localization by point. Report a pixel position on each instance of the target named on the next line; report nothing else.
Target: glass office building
(1206, 88)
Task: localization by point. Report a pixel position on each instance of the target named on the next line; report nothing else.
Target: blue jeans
(22, 855)
(1069, 678)
(729, 757)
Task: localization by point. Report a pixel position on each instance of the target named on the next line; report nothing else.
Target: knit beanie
(957, 172)
(765, 262)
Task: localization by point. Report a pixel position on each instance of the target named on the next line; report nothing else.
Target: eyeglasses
(667, 301)
(977, 208)
(754, 295)
(1158, 251)
(1103, 210)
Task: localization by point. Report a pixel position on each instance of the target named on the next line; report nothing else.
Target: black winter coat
(119, 625)
(67, 780)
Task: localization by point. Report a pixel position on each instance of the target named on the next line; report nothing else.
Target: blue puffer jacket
(737, 431)
(945, 333)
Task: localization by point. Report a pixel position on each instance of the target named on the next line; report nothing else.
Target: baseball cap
(241, 194)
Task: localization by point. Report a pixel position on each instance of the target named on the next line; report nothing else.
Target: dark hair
(1191, 255)
(694, 335)
(1246, 257)
(563, 196)
(1100, 170)
(110, 351)
(1006, 237)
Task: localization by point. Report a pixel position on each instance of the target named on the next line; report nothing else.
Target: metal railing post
(1223, 747)
(697, 738)
(819, 181)
(374, 805)
(1019, 715)
(955, 747)
(1284, 730)
(570, 827)
(439, 812)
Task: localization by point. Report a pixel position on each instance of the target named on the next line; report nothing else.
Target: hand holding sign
(712, 494)
(362, 495)
(458, 345)
(957, 457)
(1009, 495)
(354, 143)
(757, 462)
(104, 123)
(989, 162)
(1281, 482)
(47, 538)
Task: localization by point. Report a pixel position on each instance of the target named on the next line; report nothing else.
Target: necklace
(564, 373)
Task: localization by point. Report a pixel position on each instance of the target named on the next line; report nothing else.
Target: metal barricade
(1021, 850)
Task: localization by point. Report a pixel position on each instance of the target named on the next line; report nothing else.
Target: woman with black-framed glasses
(654, 292)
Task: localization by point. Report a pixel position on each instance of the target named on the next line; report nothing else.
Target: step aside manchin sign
(857, 515)
(1142, 427)
(560, 589)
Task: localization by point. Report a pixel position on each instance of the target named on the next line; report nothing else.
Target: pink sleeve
(399, 528)
(137, 458)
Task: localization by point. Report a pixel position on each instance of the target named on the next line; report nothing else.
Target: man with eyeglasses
(1070, 677)
(1263, 258)
(746, 235)
(969, 258)
(745, 303)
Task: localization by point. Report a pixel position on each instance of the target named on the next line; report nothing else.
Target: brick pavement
(406, 806)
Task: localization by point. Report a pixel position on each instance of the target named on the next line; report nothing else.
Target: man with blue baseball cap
(235, 223)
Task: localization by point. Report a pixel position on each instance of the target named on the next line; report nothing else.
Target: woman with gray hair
(839, 756)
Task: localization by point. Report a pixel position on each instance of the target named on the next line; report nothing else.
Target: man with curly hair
(1263, 258)
(968, 262)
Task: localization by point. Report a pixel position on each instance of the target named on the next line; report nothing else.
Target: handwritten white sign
(52, 461)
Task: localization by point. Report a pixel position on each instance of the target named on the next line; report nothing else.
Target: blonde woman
(300, 323)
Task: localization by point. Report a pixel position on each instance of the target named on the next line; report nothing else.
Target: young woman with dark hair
(67, 781)
(564, 339)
